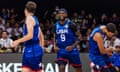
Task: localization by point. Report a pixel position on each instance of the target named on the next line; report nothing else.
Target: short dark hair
(31, 6)
(5, 32)
(62, 10)
(111, 27)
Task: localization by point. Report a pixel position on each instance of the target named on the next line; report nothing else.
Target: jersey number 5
(62, 36)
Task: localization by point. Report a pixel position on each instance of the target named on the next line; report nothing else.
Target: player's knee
(26, 70)
(113, 69)
(78, 69)
(62, 66)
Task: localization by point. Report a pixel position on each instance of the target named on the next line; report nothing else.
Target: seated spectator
(18, 30)
(8, 28)
(5, 43)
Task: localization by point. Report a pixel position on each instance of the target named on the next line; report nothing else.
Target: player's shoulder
(30, 19)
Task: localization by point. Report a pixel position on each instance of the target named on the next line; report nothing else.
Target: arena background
(94, 6)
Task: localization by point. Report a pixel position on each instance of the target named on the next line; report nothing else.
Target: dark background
(96, 7)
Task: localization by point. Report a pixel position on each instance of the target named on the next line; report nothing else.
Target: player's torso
(32, 46)
(65, 36)
(93, 44)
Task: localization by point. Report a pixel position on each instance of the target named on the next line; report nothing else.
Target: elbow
(30, 37)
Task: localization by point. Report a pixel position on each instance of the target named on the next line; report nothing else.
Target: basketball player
(33, 52)
(67, 38)
(97, 53)
(116, 54)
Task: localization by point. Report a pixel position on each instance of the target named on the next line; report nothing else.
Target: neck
(29, 14)
(103, 29)
(4, 38)
(62, 22)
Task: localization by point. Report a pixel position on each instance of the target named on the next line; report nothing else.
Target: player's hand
(117, 69)
(109, 51)
(69, 48)
(56, 49)
(15, 43)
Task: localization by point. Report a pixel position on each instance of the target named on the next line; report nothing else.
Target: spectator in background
(18, 30)
(83, 44)
(103, 19)
(2, 23)
(1, 31)
(84, 27)
(8, 28)
(4, 14)
(90, 20)
(12, 13)
(82, 14)
(94, 24)
(6, 43)
(114, 19)
(13, 35)
(118, 30)
(54, 14)
(75, 19)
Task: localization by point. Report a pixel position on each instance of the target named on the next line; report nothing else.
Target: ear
(66, 14)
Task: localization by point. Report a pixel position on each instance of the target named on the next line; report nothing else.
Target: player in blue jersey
(116, 54)
(66, 37)
(33, 39)
(97, 53)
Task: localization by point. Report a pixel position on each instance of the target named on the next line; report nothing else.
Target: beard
(62, 18)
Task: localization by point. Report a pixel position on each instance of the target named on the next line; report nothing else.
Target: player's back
(94, 49)
(65, 36)
(32, 46)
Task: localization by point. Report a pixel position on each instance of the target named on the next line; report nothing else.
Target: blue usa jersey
(32, 47)
(93, 44)
(116, 59)
(94, 52)
(65, 36)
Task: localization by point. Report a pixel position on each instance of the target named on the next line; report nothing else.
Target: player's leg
(62, 68)
(74, 59)
(36, 65)
(26, 69)
(61, 61)
(78, 69)
(25, 65)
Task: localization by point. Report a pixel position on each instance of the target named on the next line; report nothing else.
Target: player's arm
(73, 27)
(56, 49)
(41, 37)
(99, 39)
(77, 33)
(30, 24)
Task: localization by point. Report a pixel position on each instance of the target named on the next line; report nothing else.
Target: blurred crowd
(11, 27)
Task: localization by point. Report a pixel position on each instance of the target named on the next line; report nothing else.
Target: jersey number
(62, 36)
